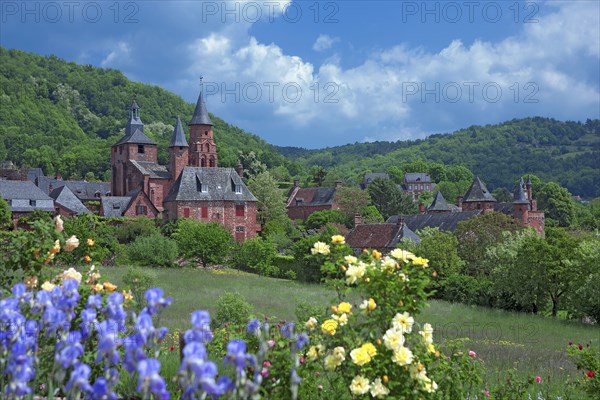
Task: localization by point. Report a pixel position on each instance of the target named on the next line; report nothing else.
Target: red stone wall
(486, 206)
(217, 211)
(536, 220)
(140, 199)
(178, 160)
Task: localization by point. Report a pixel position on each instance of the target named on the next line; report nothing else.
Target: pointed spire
(134, 129)
(439, 203)
(529, 179)
(200, 116)
(178, 138)
(478, 192)
(519, 196)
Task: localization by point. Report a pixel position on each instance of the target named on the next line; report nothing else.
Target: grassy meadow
(531, 345)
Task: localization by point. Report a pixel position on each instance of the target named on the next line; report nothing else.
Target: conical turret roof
(478, 192)
(200, 116)
(178, 138)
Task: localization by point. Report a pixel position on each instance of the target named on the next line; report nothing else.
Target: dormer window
(238, 189)
(203, 188)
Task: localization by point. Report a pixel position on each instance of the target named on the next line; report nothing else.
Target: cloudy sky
(316, 74)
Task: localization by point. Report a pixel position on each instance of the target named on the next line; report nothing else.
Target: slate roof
(314, 196)
(154, 170)
(67, 199)
(84, 190)
(34, 173)
(439, 203)
(478, 192)
(134, 129)
(209, 184)
(200, 116)
(504, 208)
(416, 177)
(178, 138)
(24, 196)
(371, 176)
(115, 206)
(379, 236)
(519, 196)
(443, 221)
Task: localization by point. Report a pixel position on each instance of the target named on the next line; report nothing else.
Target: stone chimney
(240, 169)
(421, 208)
(58, 176)
(357, 219)
(459, 201)
(400, 220)
(338, 184)
(296, 183)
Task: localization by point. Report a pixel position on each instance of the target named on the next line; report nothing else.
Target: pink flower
(267, 364)
(318, 373)
(472, 353)
(271, 344)
(487, 393)
(264, 372)
(301, 360)
(538, 379)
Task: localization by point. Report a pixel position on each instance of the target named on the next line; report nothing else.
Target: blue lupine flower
(95, 301)
(149, 380)
(156, 301)
(236, 354)
(200, 319)
(79, 379)
(288, 329)
(102, 391)
(301, 340)
(253, 326)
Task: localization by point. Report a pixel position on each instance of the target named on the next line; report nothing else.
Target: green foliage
(466, 289)
(5, 214)
(208, 243)
(139, 280)
(371, 215)
(131, 230)
(305, 310)
(319, 219)
(587, 361)
(475, 235)
(318, 175)
(271, 202)
(89, 226)
(351, 200)
(389, 199)
(257, 255)
(451, 190)
(232, 308)
(557, 203)
(503, 195)
(150, 251)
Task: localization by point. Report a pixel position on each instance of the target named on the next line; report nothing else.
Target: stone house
(301, 202)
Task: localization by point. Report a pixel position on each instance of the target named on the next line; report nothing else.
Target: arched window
(212, 162)
(207, 148)
(203, 162)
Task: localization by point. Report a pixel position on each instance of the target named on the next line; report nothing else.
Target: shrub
(139, 280)
(88, 226)
(150, 251)
(232, 308)
(319, 219)
(138, 227)
(208, 243)
(258, 256)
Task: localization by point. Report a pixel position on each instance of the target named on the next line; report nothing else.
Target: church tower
(178, 152)
(135, 145)
(203, 151)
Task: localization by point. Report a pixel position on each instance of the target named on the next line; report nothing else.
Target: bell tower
(203, 151)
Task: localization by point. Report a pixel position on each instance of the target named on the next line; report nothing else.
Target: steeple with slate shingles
(178, 152)
(134, 129)
(519, 196)
(203, 151)
(439, 204)
(178, 138)
(478, 198)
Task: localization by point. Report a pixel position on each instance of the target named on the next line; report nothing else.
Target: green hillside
(564, 152)
(64, 117)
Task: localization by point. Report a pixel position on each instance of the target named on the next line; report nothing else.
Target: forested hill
(565, 152)
(64, 117)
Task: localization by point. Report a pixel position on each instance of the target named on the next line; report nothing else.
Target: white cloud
(118, 56)
(402, 92)
(324, 42)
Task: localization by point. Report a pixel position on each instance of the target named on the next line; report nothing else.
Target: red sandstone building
(190, 186)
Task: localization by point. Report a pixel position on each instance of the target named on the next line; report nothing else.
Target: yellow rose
(402, 255)
(403, 322)
(338, 239)
(360, 356)
(420, 261)
(56, 247)
(311, 324)
(90, 242)
(109, 287)
(320, 248)
(47, 286)
(98, 287)
(58, 224)
(378, 390)
(329, 327)
(71, 244)
(376, 254)
(127, 295)
(359, 385)
(344, 307)
(71, 274)
(370, 349)
(312, 353)
(402, 356)
(351, 259)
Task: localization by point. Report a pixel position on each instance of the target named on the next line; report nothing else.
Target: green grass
(533, 345)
